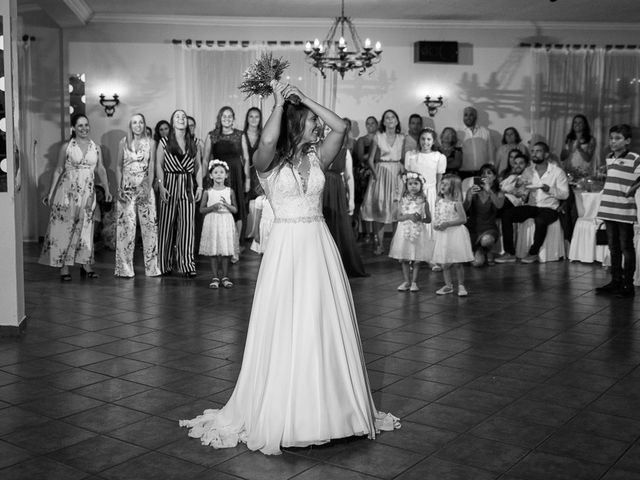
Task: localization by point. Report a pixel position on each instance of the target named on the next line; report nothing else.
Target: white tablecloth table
(583, 246)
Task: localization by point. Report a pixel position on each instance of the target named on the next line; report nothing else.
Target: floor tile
(10, 455)
(41, 468)
(252, 466)
(584, 446)
(513, 431)
(97, 454)
(152, 466)
(47, 437)
(437, 469)
(105, 418)
(152, 432)
(544, 466)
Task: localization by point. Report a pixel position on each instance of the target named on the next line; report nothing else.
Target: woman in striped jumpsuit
(177, 160)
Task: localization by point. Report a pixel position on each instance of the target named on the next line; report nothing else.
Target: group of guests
(160, 181)
(433, 188)
(470, 185)
(188, 196)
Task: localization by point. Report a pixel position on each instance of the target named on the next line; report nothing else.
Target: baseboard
(13, 330)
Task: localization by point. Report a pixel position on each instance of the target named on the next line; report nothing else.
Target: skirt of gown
(380, 203)
(303, 379)
(334, 209)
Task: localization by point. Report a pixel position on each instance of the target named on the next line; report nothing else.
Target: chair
(583, 246)
(552, 248)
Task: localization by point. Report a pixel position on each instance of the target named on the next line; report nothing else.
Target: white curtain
(208, 79)
(602, 84)
(27, 145)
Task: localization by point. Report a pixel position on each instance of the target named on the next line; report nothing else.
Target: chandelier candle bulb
(367, 44)
(307, 47)
(316, 43)
(378, 48)
(341, 42)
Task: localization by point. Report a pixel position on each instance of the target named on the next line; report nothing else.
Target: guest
(252, 131)
(452, 245)
(191, 122)
(350, 141)
(514, 185)
(380, 203)
(429, 163)
(511, 140)
(72, 197)
(338, 205)
(549, 186)
(227, 143)
(513, 154)
(618, 210)
(450, 149)
(134, 175)
(161, 130)
(411, 244)
(219, 236)
(482, 202)
(361, 170)
(579, 146)
(176, 161)
(477, 146)
(411, 141)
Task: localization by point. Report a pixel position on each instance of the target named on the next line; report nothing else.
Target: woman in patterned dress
(72, 197)
(380, 203)
(135, 173)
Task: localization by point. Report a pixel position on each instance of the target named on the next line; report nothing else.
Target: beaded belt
(315, 218)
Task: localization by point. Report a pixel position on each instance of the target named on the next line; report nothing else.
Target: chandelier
(340, 55)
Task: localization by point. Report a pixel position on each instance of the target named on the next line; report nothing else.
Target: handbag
(601, 235)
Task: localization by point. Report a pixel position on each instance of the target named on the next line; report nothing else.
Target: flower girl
(411, 244)
(219, 238)
(452, 243)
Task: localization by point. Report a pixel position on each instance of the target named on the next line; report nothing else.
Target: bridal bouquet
(258, 77)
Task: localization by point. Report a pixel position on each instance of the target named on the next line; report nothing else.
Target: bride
(303, 379)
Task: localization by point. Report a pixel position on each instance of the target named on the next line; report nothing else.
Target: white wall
(137, 61)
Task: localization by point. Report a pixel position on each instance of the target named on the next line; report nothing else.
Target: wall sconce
(109, 104)
(433, 105)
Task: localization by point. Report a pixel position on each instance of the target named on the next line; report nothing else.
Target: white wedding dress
(303, 379)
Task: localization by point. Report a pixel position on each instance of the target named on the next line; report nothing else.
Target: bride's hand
(293, 94)
(278, 88)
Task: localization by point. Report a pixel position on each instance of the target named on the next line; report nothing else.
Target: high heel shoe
(87, 273)
(65, 277)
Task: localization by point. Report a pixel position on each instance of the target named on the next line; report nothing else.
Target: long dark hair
(156, 130)
(172, 143)
(74, 121)
(381, 126)
(246, 119)
(586, 132)
(292, 127)
(218, 127)
(495, 186)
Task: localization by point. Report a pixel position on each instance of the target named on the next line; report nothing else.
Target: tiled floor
(531, 377)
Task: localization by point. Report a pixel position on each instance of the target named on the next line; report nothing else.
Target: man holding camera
(549, 185)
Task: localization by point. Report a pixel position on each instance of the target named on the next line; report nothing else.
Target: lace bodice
(77, 160)
(290, 202)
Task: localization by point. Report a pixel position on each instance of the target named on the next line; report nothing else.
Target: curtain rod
(190, 43)
(577, 46)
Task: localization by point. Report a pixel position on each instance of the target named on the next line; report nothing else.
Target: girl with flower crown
(411, 244)
(219, 235)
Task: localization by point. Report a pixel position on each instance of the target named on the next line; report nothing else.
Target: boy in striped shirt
(618, 210)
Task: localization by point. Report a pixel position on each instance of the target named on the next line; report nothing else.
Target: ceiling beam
(67, 13)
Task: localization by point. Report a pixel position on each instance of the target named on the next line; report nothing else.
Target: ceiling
(82, 12)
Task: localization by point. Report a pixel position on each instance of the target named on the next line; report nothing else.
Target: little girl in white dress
(452, 243)
(219, 239)
(412, 243)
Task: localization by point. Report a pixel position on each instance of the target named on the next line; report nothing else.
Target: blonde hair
(455, 187)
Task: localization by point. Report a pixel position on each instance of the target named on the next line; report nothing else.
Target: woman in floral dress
(135, 172)
(72, 198)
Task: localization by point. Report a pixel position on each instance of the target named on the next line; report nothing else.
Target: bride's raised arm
(263, 156)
